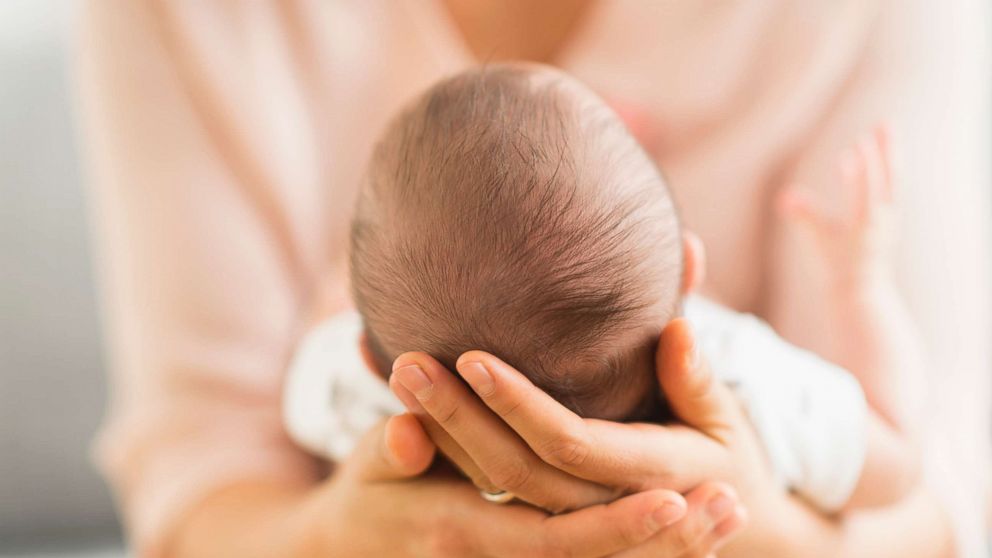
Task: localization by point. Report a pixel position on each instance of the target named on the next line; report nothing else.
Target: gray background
(51, 374)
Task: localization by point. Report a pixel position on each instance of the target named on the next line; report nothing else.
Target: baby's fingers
(884, 139)
(798, 206)
(866, 175)
(870, 150)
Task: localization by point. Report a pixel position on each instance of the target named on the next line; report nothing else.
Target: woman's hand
(517, 438)
(374, 507)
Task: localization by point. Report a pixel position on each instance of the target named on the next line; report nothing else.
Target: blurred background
(51, 376)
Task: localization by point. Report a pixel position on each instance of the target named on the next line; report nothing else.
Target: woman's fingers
(727, 529)
(407, 445)
(396, 448)
(593, 532)
(501, 456)
(631, 456)
(693, 393)
(712, 518)
(608, 528)
(554, 432)
(444, 442)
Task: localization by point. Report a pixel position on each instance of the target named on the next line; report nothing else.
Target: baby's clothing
(810, 415)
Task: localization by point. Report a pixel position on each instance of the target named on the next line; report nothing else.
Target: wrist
(787, 526)
(859, 285)
(247, 520)
(316, 527)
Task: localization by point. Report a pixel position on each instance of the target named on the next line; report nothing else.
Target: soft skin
(869, 326)
(426, 389)
(527, 443)
(211, 227)
(715, 441)
(439, 515)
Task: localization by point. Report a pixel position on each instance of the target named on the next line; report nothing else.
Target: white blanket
(810, 415)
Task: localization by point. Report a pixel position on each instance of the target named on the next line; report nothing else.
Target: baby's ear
(694, 262)
(367, 356)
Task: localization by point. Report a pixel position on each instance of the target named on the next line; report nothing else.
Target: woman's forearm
(250, 519)
(917, 527)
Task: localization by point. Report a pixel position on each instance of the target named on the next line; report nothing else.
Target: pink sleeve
(924, 70)
(207, 247)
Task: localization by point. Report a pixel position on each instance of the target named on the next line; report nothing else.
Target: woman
(227, 140)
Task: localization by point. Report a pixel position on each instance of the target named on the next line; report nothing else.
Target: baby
(509, 210)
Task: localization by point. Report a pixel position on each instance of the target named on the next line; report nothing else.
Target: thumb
(687, 382)
(394, 449)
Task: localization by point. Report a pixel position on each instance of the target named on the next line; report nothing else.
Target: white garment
(810, 415)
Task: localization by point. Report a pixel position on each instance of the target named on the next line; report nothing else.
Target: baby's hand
(854, 230)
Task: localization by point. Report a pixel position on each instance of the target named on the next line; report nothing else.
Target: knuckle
(632, 534)
(569, 450)
(512, 474)
(483, 482)
(448, 416)
(630, 531)
(507, 409)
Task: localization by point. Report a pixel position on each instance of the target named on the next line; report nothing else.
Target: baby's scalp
(509, 210)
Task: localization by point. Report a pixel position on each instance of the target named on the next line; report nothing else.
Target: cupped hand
(510, 435)
(380, 503)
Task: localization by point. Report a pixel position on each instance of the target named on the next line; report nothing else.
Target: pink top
(226, 140)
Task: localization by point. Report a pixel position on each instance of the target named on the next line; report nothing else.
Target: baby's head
(509, 210)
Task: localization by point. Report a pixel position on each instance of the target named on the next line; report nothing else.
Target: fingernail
(477, 376)
(668, 513)
(407, 398)
(412, 377)
(719, 506)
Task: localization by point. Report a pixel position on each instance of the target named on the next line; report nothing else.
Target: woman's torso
(722, 94)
